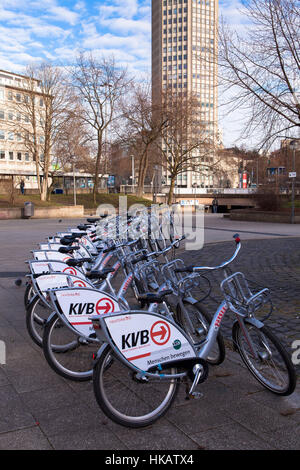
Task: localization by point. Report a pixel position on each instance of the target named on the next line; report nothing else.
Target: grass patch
(289, 204)
(85, 200)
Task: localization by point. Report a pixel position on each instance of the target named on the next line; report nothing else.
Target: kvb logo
(104, 305)
(159, 333)
(81, 309)
(133, 339)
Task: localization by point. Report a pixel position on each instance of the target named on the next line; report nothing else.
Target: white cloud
(120, 8)
(63, 14)
(124, 25)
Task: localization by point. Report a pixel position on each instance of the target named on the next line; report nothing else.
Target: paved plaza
(40, 410)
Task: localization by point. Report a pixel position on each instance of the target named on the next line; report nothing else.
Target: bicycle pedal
(196, 395)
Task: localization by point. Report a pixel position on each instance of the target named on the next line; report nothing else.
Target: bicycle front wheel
(67, 353)
(269, 362)
(37, 315)
(126, 399)
(28, 295)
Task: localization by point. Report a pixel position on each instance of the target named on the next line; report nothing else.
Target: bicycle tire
(277, 358)
(70, 355)
(201, 321)
(28, 295)
(118, 393)
(37, 314)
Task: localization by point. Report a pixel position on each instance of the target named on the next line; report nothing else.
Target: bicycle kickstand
(198, 375)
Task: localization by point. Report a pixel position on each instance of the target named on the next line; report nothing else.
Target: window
(11, 155)
(10, 115)
(2, 154)
(10, 96)
(2, 135)
(41, 102)
(10, 136)
(19, 156)
(18, 97)
(26, 157)
(1, 94)
(2, 115)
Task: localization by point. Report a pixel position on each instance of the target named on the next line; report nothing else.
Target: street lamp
(293, 174)
(195, 186)
(74, 179)
(133, 173)
(293, 144)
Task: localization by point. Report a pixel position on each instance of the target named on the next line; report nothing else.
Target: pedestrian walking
(215, 204)
(22, 187)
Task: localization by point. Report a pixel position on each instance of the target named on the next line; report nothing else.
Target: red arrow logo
(105, 306)
(162, 333)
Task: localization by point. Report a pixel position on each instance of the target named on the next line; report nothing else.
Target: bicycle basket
(237, 293)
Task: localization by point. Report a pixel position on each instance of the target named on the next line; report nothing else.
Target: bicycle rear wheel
(127, 400)
(197, 329)
(272, 367)
(68, 354)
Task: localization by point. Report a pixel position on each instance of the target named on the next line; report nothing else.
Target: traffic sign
(292, 174)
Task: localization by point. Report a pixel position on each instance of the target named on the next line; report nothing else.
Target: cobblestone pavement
(41, 410)
(272, 263)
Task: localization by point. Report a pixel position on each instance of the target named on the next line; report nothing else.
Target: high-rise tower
(184, 53)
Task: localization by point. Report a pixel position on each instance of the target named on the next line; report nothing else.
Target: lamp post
(293, 144)
(132, 174)
(195, 186)
(74, 181)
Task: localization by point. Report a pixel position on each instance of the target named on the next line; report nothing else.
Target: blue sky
(35, 30)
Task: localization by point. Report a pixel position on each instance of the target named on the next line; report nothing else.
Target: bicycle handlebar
(195, 269)
(165, 250)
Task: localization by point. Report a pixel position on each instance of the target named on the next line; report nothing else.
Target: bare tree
(143, 123)
(73, 144)
(99, 85)
(263, 66)
(184, 144)
(40, 116)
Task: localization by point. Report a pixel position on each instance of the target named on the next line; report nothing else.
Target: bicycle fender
(190, 300)
(251, 321)
(100, 352)
(254, 322)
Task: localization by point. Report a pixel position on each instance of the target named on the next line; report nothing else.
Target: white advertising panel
(79, 305)
(147, 340)
(40, 267)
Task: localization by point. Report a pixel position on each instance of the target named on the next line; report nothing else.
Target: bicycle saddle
(99, 274)
(154, 297)
(68, 249)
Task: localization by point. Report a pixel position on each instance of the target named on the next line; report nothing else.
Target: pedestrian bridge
(227, 198)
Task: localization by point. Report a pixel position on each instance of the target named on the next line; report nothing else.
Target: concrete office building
(184, 52)
(15, 157)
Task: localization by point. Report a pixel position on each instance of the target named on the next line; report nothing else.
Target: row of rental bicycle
(110, 301)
